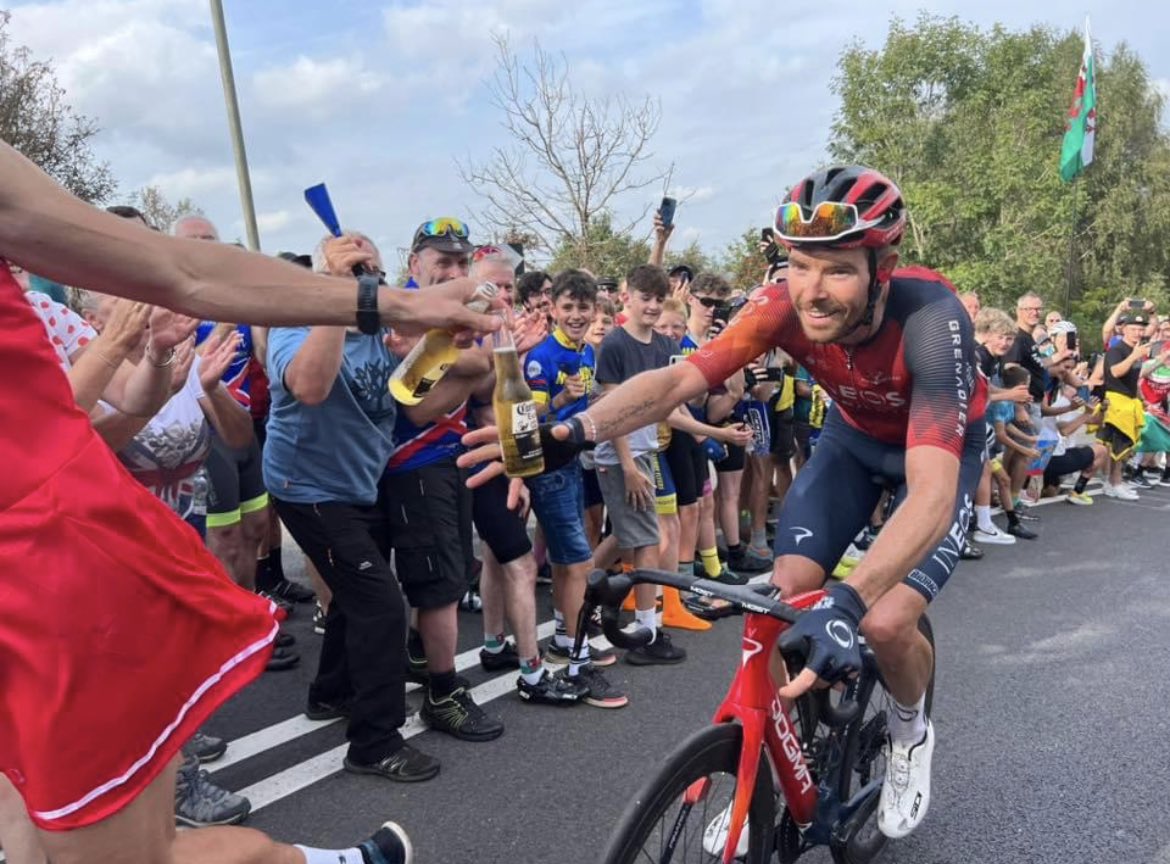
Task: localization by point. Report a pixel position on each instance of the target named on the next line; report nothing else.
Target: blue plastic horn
(317, 197)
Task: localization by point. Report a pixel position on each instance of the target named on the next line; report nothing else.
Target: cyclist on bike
(894, 349)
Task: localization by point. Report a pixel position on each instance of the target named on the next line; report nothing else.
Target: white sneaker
(715, 835)
(906, 789)
(994, 536)
(1121, 492)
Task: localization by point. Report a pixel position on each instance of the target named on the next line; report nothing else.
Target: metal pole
(237, 133)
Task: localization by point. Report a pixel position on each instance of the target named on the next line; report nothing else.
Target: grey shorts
(634, 529)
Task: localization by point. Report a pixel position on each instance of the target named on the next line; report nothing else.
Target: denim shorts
(558, 502)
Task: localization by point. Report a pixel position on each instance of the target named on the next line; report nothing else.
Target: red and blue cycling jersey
(915, 382)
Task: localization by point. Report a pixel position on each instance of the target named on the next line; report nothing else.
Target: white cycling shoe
(906, 790)
(715, 835)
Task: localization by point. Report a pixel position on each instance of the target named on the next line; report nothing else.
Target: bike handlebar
(608, 590)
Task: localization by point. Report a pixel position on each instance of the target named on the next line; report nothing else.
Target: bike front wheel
(658, 826)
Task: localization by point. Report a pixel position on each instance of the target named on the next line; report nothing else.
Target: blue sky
(380, 99)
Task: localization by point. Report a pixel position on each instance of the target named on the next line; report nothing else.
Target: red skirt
(120, 635)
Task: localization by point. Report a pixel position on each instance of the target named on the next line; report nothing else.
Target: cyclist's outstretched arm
(642, 400)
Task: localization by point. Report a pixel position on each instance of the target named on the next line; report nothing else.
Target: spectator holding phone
(1067, 458)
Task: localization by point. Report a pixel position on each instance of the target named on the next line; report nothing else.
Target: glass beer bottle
(516, 417)
(432, 356)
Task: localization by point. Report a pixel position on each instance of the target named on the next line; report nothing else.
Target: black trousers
(363, 653)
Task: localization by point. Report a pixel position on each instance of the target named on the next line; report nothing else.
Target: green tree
(693, 256)
(159, 211)
(36, 120)
(969, 122)
(602, 250)
(743, 261)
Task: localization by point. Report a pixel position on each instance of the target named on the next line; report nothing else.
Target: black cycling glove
(558, 454)
(827, 634)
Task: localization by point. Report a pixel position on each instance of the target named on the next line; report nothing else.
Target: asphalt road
(1053, 739)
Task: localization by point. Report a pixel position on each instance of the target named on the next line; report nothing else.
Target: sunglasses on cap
(829, 220)
(443, 225)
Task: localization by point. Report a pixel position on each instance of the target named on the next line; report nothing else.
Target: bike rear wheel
(864, 762)
(656, 827)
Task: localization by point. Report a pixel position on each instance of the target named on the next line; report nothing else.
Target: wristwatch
(368, 320)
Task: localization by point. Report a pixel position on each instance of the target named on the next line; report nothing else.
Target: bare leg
(254, 528)
(439, 629)
(18, 835)
(571, 578)
(594, 523)
(645, 596)
(324, 595)
(668, 540)
(491, 591)
(226, 543)
(903, 653)
(727, 496)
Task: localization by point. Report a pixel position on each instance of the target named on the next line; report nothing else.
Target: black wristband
(576, 430)
(558, 454)
(368, 320)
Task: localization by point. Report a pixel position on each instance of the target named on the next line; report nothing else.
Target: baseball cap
(1135, 318)
(683, 270)
(446, 234)
(305, 261)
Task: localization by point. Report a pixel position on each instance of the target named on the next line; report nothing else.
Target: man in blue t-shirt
(330, 434)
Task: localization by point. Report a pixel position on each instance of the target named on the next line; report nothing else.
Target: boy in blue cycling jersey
(560, 372)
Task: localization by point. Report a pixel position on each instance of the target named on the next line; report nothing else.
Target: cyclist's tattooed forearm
(632, 416)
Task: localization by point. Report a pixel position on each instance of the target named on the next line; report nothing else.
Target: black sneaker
(730, 577)
(598, 691)
(1020, 531)
(319, 620)
(389, 845)
(1140, 481)
(553, 688)
(199, 803)
(283, 605)
(206, 748)
(660, 652)
(505, 659)
(971, 552)
(285, 589)
(404, 765)
(558, 655)
(1024, 512)
(747, 561)
(284, 640)
(326, 710)
(282, 659)
(459, 716)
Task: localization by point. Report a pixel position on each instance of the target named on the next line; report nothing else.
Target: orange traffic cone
(675, 615)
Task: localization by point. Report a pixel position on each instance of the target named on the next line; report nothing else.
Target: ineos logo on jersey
(841, 633)
(799, 534)
(871, 398)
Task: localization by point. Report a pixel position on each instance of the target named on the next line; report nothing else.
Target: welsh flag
(1077, 151)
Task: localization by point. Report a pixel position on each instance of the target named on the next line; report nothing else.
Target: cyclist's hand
(827, 636)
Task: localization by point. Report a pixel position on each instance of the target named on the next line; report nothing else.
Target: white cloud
(317, 89)
(274, 221)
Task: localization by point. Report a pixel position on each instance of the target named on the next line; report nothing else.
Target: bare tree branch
(571, 156)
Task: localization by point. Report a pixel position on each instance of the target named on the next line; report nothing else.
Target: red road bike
(769, 777)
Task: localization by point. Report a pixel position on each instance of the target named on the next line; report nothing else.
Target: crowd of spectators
(253, 432)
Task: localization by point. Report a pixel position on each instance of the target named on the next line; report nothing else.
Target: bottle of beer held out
(433, 355)
(516, 417)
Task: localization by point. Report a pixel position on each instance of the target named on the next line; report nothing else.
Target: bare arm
(314, 368)
(230, 420)
(48, 231)
(919, 523)
(644, 399)
(117, 429)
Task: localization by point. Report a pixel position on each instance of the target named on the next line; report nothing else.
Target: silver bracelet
(170, 358)
(592, 426)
